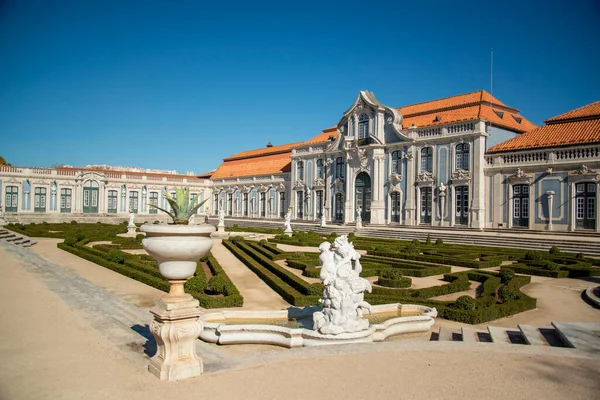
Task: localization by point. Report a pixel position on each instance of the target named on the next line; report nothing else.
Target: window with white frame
(339, 167)
(363, 126)
(427, 159)
(462, 156)
(396, 162)
(300, 170)
(320, 169)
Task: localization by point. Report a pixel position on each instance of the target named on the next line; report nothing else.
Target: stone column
(349, 193)
(478, 190)
(377, 203)
(411, 214)
(550, 198)
(442, 197)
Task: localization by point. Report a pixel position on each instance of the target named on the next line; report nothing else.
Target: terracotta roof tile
(580, 126)
(259, 165)
(589, 110)
(264, 151)
(460, 100)
(324, 136)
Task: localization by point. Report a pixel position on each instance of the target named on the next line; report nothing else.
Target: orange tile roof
(579, 126)
(264, 151)
(256, 165)
(464, 107)
(324, 136)
(589, 110)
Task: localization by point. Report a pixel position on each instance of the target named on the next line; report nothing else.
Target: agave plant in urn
(177, 247)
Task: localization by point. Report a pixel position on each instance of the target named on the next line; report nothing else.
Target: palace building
(463, 161)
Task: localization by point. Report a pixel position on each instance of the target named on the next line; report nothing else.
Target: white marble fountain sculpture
(343, 298)
(339, 320)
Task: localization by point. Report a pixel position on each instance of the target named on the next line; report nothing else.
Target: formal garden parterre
(392, 262)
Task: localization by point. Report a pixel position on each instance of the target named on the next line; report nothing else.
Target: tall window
(245, 204)
(462, 156)
(229, 204)
(339, 167)
(299, 204)
(282, 204)
(319, 203)
(153, 200)
(427, 159)
(39, 200)
(339, 207)
(396, 159)
(320, 169)
(11, 199)
(363, 126)
(300, 170)
(263, 204)
(65, 200)
(215, 203)
(133, 202)
(112, 201)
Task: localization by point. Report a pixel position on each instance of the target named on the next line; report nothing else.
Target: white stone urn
(176, 324)
(177, 249)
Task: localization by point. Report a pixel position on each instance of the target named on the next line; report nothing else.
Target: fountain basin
(293, 327)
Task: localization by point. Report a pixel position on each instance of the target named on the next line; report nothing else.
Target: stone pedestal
(131, 230)
(221, 228)
(176, 327)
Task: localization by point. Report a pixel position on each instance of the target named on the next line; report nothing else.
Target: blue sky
(175, 84)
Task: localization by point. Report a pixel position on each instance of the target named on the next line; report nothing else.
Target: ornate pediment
(460, 175)
(425, 177)
(520, 176)
(584, 170)
(319, 183)
(299, 185)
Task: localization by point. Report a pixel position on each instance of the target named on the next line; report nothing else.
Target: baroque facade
(463, 161)
(88, 194)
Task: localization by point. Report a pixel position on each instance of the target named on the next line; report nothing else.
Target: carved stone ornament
(338, 185)
(395, 180)
(585, 170)
(262, 187)
(389, 120)
(425, 177)
(319, 183)
(407, 154)
(521, 176)
(280, 187)
(245, 189)
(299, 184)
(460, 175)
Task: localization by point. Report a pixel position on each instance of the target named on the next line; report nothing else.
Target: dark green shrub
(195, 284)
(465, 303)
(508, 293)
(416, 242)
(236, 238)
(439, 242)
(428, 241)
(580, 256)
(115, 256)
(79, 236)
(73, 222)
(379, 248)
(412, 249)
(391, 274)
(531, 255)
(554, 250)
(70, 241)
(506, 275)
(298, 254)
(139, 236)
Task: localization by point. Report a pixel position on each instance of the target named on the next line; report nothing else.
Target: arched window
(339, 167)
(363, 126)
(396, 159)
(300, 170)
(320, 169)
(462, 156)
(427, 159)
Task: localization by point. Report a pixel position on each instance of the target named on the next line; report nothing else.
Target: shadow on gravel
(150, 345)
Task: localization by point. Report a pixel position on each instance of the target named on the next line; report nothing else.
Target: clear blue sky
(175, 84)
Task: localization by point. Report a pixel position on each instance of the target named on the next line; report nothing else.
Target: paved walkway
(257, 294)
(57, 343)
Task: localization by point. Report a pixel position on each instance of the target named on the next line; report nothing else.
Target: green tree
(3, 161)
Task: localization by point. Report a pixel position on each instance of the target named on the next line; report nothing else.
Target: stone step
(584, 336)
(498, 335)
(532, 335)
(469, 335)
(446, 334)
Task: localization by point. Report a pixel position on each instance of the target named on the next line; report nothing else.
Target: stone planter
(177, 248)
(176, 325)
